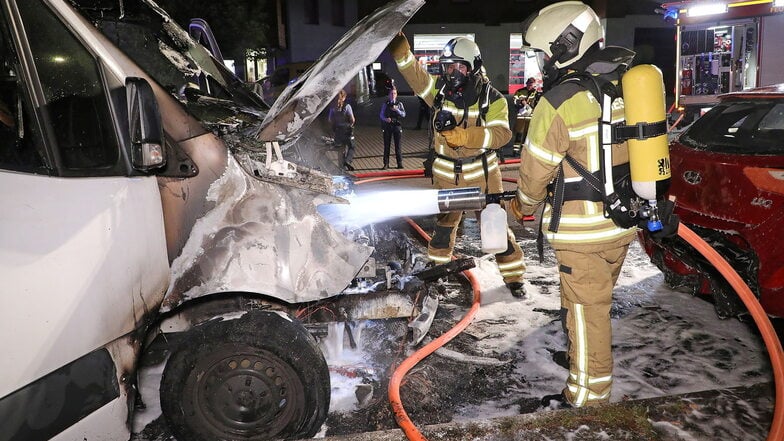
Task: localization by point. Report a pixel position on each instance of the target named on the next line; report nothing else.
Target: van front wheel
(258, 377)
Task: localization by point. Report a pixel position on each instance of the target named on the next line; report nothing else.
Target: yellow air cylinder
(649, 159)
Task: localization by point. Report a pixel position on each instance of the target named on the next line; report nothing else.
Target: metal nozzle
(445, 269)
(461, 199)
(469, 198)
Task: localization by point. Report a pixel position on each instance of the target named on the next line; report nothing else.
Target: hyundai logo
(692, 177)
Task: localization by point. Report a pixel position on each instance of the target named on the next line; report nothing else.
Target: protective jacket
(342, 121)
(395, 111)
(565, 122)
(482, 112)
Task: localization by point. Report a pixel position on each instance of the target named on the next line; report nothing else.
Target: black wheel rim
(250, 394)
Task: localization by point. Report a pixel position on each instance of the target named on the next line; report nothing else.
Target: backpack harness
(610, 184)
(484, 106)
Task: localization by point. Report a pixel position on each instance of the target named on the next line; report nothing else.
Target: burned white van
(145, 190)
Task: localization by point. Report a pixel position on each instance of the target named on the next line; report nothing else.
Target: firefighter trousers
(587, 281)
(439, 250)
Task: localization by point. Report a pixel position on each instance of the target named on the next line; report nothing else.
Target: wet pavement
(369, 146)
(694, 416)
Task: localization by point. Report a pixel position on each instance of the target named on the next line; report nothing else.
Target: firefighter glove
(399, 47)
(457, 137)
(669, 220)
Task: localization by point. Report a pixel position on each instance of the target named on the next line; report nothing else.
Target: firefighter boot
(555, 402)
(517, 289)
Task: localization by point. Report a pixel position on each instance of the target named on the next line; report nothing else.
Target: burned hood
(264, 238)
(302, 101)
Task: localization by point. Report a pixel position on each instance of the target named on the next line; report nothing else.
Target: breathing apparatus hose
(761, 319)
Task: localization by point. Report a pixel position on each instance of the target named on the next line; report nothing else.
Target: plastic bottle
(493, 229)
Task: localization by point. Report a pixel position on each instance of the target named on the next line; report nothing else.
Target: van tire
(258, 377)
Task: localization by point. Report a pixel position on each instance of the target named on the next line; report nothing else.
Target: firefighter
(471, 123)
(590, 248)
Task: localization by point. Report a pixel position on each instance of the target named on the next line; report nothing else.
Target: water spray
(379, 206)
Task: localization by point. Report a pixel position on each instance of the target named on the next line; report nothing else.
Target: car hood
(726, 191)
(302, 101)
(264, 233)
(247, 226)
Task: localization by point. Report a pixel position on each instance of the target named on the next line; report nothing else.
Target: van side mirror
(146, 127)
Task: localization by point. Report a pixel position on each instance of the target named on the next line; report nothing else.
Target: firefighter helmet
(463, 51)
(563, 31)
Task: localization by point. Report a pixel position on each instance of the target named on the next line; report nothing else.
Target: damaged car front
(248, 250)
(240, 217)
(727, 183)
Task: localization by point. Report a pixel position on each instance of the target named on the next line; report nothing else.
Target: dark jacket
(394, 110)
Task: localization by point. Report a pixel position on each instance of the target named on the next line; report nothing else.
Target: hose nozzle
(461, 199)
(468, 199)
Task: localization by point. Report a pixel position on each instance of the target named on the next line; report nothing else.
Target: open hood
(302, 101)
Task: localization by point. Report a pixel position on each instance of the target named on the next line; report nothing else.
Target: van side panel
(82, 261)
(106, 424)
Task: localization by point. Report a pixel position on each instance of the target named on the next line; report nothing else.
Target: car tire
(258, 377)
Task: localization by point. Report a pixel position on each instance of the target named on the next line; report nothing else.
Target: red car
(728, 178)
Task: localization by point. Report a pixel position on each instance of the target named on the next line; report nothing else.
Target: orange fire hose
(405, 423)
(677, 121)
(761, 319)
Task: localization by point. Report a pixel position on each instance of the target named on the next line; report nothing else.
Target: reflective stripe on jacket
(566, 121)
(493, 134)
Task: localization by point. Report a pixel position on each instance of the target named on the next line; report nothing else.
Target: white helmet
(462, 50)
(564, 31)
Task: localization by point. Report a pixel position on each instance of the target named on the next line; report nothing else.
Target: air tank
(649, 158)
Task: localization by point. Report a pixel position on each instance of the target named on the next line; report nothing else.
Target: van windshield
(149, 36)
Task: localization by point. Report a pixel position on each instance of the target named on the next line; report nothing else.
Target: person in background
(471, 119)
(524, 100)
(341, 117)
(522, 108)
(568, 38)
(392, 112)
(531, 92)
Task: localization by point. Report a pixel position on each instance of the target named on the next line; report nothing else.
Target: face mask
(456, 80)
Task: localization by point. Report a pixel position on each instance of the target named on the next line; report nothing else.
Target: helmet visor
(539, 55)
(455, 73)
